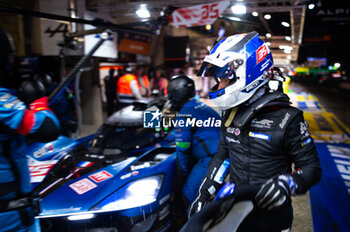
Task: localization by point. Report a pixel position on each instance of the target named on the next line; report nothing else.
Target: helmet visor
(209, 70)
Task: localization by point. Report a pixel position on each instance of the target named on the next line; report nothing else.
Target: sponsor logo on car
(82, 186)
(100, 176)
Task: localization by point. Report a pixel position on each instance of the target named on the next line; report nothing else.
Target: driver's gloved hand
(275, 192)
(31, 90)
(199, 203)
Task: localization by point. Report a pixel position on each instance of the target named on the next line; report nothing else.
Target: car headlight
(135, 194)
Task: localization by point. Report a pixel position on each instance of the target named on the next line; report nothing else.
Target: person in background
(26, 117)
(110, 91)
(128, 87)
(261, 134)
(198, 81)
(159, 82)
(195, 146)
(143, 82)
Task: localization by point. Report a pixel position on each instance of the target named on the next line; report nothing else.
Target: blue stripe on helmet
(216, 94)
(216, 46)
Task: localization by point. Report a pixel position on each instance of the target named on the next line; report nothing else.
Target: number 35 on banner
(198, 15)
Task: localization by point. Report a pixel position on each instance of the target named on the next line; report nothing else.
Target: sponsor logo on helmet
(261, 53)
(253, 85)
(265, 65)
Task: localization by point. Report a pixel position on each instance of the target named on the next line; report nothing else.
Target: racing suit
(261, 142)
(16, 121)
(195, 145)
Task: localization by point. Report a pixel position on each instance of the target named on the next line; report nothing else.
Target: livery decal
(82, 186)
(130, 174)
(100, 176)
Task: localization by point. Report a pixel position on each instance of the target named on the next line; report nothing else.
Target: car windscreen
(130, 138)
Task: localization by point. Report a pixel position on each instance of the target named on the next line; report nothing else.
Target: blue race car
(43, 156)
(121, 132)
(124, 180)
(85, 193)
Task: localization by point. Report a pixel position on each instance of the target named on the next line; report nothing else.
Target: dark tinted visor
(210, 70)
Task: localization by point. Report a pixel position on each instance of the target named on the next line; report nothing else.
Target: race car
(85, 192)
(122, 131)
(123, 179)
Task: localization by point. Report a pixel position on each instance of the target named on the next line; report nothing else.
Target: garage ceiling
(290, 11)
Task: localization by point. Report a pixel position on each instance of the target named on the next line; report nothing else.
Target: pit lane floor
(327, 203)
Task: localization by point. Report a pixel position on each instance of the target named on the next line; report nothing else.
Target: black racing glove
(207, 189)
(198, 204)
(275, 192)
(31, 90)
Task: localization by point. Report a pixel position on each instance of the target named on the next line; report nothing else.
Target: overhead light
(268, 35)
(208, 27)
(288, 38)
(311, 6)
(239, 9)
(268, 43)
(336, 65)
(234, 19)
(289, 57)
(285, 47)
(255, 14)
(143, 12)
(285, 24)
(267, 16)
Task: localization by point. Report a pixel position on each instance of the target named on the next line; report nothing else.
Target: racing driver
(261, 134)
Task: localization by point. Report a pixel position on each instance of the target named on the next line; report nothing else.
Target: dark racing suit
(262, 142)
(16, 121)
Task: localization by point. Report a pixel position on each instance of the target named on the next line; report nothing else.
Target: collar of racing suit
(246, 112)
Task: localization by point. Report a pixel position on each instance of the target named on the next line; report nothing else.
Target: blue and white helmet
(245, 60)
